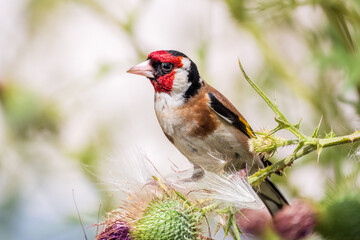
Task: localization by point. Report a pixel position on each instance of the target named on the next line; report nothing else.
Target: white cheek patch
(180, 86)
(181, 83)
(186, 64)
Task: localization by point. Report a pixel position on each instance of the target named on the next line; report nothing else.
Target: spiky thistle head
(265, 142)
(159, 212)
(157, 208)
(338, 216)
(169, 217)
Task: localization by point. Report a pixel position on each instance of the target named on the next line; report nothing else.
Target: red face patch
(164, 83)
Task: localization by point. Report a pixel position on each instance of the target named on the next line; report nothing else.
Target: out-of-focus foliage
(333, 49)
(26, 112)
(338, 210)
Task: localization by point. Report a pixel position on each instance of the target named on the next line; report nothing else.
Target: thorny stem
(280, 118)
(259, 176)
(311, 145)
(305, 144)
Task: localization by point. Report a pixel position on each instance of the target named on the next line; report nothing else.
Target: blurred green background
(71, 118)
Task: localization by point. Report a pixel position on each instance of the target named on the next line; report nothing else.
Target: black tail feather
(271, 196)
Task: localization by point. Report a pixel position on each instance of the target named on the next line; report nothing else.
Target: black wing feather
(229, 116)
(235, 120)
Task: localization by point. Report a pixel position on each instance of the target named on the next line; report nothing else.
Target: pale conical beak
(143, 69)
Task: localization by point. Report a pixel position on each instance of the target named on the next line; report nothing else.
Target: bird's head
(170, 72)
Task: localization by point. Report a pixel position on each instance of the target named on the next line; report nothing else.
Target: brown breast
(202, 120)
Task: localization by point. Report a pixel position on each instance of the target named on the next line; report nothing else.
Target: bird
(202, 123)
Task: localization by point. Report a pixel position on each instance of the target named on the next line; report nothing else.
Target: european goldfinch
(202, 124)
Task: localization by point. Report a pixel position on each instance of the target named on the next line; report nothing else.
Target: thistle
(158, 209)
(169, 217)
(253, 221)
(266, 142)
(158, 212)
(116, 230)
(295, 221)
(339, 216)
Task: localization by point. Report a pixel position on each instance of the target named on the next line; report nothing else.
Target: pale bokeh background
(70, 113)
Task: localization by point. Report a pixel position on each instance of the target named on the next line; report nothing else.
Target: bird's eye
(167, 67)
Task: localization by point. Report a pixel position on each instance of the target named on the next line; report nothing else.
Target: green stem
(305, 144)
(281, 119)
(328, 142)
(289, 142)
(310, 145)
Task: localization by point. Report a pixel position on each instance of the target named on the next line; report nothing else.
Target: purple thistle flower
(253, 221)
(117, 230)
(295, 221)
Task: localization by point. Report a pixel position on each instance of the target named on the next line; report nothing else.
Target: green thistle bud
(265, 142)
(169, 217)
(339, 217)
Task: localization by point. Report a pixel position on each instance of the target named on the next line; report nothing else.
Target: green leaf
(236, 228)
(228, 225)
(217, 228)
